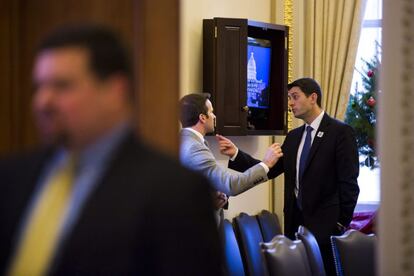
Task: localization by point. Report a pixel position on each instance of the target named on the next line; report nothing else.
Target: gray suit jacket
(195, 155)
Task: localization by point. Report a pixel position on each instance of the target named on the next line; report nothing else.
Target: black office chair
(269, 225)
(249, 237)
(286, 257)
(233, 259)
(354, 253)
(312, 251)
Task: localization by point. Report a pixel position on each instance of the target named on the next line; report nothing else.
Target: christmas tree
(361, 113)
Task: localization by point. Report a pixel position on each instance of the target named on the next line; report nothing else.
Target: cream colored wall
(192, 13)
(253, 200)
(298, 50)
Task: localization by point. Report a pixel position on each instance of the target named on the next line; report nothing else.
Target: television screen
(258, 72)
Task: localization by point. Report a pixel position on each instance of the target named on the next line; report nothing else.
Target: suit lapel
(319, 137)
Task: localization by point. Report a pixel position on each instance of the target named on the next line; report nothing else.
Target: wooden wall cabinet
(225, 76)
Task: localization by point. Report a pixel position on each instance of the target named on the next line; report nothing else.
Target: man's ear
(118, 85)
(314, 97)
(202, 118)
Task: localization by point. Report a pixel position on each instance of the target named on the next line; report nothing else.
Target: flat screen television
(259, 53)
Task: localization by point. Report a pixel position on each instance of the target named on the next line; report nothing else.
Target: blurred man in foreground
(94, 200)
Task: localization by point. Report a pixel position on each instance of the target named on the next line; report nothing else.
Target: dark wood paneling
(6, 18)
(147, 31)
(157, 63)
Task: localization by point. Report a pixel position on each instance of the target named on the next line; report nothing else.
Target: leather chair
(286, 257)
(269, 225)
(249, 238)
(233, 259)
(312, 251)
(354, 253)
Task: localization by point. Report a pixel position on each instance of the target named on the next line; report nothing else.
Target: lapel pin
(320, 134)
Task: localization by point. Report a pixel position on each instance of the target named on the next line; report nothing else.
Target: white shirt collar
(196, 133)
(316, 123)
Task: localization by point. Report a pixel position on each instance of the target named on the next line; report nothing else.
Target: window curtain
(332, 30)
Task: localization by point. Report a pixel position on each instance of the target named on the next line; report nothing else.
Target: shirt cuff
(265, 167)
(235, 155)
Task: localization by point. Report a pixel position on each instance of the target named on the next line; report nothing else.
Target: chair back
(233, 259)
(269, 225)
(286, 257)
(354, 253)
(249, 237)
(312, 251)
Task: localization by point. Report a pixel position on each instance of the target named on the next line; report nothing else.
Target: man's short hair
(308, 86)
(191, 106)
(107, 54)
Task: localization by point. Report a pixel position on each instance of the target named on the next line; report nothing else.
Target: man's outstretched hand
(226, 146)
(273, 153)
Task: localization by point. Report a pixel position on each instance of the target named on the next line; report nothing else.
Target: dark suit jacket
(330, 188)
(148, 216)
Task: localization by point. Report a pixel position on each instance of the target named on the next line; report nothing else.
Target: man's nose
(43, 96)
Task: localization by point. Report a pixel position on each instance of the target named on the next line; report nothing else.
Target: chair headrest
(286, 257)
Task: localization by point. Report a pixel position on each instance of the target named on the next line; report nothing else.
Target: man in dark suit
(321, 167)
(108, 205)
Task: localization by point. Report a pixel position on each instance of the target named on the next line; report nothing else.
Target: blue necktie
(302, 163)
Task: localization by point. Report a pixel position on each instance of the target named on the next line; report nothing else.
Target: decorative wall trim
(288, 21)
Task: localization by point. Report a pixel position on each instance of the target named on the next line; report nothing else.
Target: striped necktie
(41, 234)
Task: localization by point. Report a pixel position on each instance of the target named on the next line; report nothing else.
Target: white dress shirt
(315, 126)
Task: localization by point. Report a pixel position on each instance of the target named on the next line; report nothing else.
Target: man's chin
(54, 139)
(212, 131)
(298, 115)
